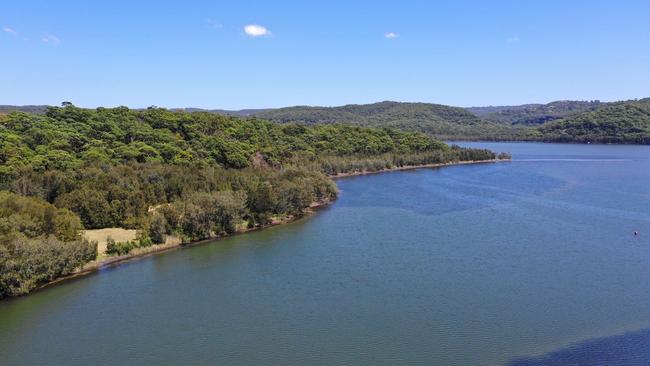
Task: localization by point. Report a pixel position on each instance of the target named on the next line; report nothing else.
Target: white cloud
(514, 39)
(391, 35)
(51, 39)
(9, 30)
(255, 30)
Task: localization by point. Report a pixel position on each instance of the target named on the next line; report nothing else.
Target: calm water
(531, 262)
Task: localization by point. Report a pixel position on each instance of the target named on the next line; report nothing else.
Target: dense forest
(191, 175)
(560, 121)
(534, 114)
(616, 121)
(627, 122)
(435, 120)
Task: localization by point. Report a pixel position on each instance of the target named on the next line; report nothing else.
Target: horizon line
(327, 106)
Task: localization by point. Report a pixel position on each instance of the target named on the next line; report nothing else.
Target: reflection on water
(629, 349)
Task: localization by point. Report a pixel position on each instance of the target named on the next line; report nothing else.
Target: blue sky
(200, 53)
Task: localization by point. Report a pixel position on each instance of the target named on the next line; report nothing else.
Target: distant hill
(225, 112)
(619, 122)
(566, 121)
(36, 109)
(41, 109)
(535, 114)
(433, 119)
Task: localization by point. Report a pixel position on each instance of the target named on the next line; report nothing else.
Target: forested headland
(192, 175)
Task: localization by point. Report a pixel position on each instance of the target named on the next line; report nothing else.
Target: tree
(158, 229)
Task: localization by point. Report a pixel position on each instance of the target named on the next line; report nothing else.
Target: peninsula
(171, 178)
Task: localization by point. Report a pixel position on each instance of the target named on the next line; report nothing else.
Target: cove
(473, 265)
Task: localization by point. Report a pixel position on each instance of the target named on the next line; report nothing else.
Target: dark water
(531, 262)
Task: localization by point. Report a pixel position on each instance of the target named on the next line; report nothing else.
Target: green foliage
(120, 248)
(204, 215)
(333, 165)
(158, 229)
(119, 136)
(123, 248)
(111, 245)
(626, 122)
(68, 138)
(35, 218)
(38, 243)
(436, 120)
(114, 164)
(27, 263)
(535, 114)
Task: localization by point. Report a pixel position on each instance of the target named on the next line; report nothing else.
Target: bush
(158, 229)
(26, 263)
(111, 247)
(121, 248)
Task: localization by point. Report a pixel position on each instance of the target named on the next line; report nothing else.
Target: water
(531, 262)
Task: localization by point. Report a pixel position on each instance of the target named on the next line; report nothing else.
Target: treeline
(334, 165)
(122, 195)
(191, 175)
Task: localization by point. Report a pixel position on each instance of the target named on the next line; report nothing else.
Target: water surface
(520, 262)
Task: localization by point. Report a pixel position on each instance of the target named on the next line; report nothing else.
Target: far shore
(138, 253)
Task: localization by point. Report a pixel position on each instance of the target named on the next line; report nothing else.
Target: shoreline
(140, 253)
(412, 167)
(96, 266)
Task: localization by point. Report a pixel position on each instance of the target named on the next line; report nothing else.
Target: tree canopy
(616, 123)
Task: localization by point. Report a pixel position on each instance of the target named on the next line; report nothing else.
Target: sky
(261, 54)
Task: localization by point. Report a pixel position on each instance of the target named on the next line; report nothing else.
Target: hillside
(622, 122)
(225, 112)
(436, 120)
(66, 138)
(432, 119)
(565, 121)
(189, 175)
(36, 109)
(534, 114)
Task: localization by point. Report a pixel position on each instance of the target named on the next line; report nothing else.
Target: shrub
(158, 229)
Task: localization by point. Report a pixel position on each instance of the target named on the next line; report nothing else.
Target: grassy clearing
(100, 236)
